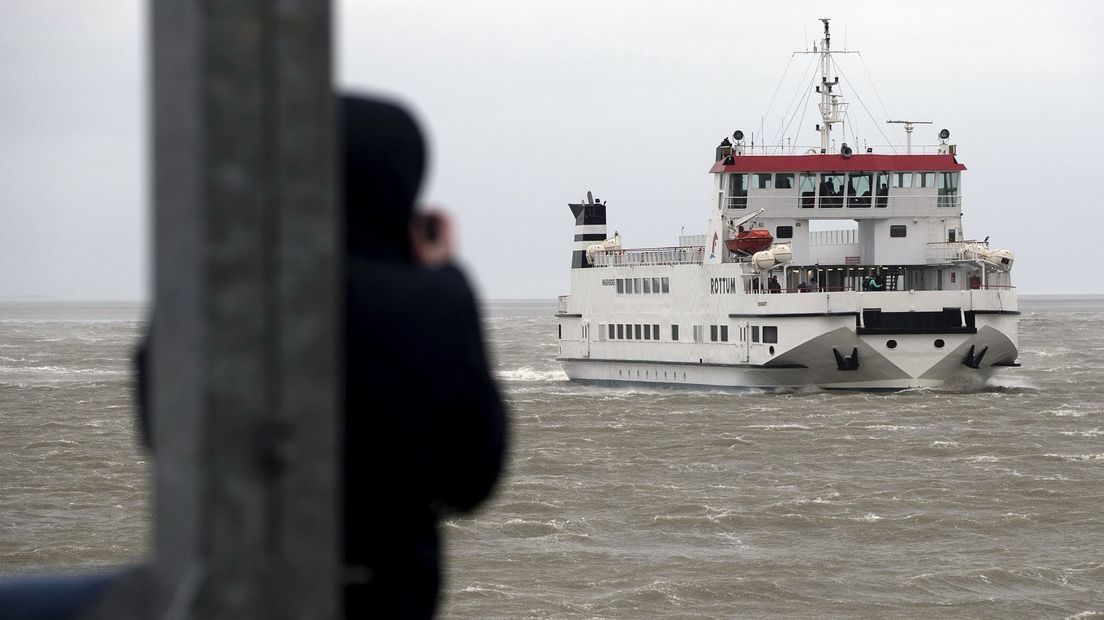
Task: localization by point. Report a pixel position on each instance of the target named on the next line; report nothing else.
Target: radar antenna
(908, 132)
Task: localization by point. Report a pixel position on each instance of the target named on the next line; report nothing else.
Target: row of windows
(643, 285)
(717, 333)
(895, 230)
(861, 181)
(634, 331)
(834, 189)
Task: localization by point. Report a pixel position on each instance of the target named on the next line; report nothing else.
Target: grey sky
(529, 104)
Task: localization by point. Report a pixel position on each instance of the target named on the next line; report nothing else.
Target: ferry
(772, 296)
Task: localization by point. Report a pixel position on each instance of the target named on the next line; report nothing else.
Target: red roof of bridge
(834, 162)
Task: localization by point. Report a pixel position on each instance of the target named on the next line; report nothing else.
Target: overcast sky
(530, 104)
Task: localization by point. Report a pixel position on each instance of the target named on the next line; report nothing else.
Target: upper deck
(838, 186)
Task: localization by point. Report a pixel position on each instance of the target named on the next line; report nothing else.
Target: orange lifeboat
(749, 242)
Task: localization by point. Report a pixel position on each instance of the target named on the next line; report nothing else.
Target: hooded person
(425, 427)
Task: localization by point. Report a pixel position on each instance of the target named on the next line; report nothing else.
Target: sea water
(655, 503)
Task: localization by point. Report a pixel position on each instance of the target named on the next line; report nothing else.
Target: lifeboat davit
(748, 242)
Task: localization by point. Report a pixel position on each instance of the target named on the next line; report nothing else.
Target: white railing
(878, 149)
(945, 252)
(899, 198)
(685, 255)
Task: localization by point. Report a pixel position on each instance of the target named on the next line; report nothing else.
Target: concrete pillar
(245, 357)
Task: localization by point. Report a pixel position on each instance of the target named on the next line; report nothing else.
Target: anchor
(974, 361)
(851, 362)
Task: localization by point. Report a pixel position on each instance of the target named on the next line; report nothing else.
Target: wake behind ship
(761, 300)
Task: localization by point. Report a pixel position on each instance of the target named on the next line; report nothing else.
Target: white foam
(528, 374)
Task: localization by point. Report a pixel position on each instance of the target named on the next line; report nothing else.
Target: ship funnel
(590, 228)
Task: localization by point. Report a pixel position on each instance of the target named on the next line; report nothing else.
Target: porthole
(891, 344)
(939, 343)
(771, 350)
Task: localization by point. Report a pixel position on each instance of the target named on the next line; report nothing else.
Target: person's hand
(431, 237)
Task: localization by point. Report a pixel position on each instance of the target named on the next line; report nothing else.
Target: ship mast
(832, 107)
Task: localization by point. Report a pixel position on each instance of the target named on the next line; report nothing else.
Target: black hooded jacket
(425, 427)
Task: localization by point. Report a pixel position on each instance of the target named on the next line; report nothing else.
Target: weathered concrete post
(245, 357)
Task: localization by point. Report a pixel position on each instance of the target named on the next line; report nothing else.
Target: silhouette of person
(425, 427)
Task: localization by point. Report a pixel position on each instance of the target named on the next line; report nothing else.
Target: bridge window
(858, 189)
(636, 332)
(620, 331)
(881, 190)
(770, 333)
(761, 181)
(927, 179)
(947, 183)
(620, 285)
(737, 191)
(783, 180)
(655, 285)
(807, 187)
(666, 284)
(647, 285)
(612, 331)
(713, 333)
(783, 232)
(655, 331)
(898, 230)
(831, 190)
(902, 180)
(674, 333)
(724, 333)
(647, 332)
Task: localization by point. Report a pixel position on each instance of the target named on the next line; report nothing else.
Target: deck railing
(945, 252)
(684, 255)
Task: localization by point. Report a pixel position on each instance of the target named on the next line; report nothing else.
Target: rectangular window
(637, 288)
(859, 189)
(761, 181)
(647, 285)
(699, 333)
(902, 180)
(897, 230)
(712, 333)
(636, 332)
(559, 331)
(755, 333)
(770, 333)
(831, 190)
(783, 180)
(806, 185)
(783, 232)
(612, 332)
(666, 284)
(674, 333)
(655, 331)
(948, 189)
(881, 190)
(737, 191)
(927, 179)
(620, 285)
(647, 332)
(724, 333)
(655, 285)
(620, 331)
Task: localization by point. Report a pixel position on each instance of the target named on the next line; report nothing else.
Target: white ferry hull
(912, 364)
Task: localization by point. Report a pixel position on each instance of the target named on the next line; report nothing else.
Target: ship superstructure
(901, 299)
